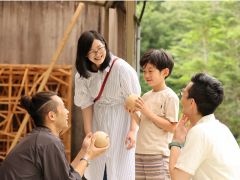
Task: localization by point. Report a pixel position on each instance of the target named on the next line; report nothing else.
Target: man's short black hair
(207, 93)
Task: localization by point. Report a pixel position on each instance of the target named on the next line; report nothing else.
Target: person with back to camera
(203, 148)
(159, 116)
(40, 155)
(106, 112)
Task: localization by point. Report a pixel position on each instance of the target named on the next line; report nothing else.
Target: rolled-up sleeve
(82, 97)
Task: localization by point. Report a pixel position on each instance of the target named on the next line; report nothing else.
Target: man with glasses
(205, 149)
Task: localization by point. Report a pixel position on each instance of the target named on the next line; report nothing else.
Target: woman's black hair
(39, 105)
(83, 64)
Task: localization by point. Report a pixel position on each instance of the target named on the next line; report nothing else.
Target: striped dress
(110, 116)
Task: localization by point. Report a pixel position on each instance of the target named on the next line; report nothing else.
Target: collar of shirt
(207, 118)
(45, 129)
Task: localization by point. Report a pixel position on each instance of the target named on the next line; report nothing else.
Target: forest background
(202, 36)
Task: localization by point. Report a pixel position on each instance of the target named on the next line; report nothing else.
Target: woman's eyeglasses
(93, 53)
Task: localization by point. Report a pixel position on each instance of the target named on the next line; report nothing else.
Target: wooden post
(130, 33)
(106, 25)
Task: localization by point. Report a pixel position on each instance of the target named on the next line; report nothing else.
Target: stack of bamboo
(18, 80)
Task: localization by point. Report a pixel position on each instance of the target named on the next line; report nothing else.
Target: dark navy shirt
(40, 155)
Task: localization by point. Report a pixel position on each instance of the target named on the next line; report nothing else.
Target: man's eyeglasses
(93, 53)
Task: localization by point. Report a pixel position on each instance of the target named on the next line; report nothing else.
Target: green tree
(203, 37)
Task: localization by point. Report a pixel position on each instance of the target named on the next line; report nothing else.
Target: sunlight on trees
(203, 37)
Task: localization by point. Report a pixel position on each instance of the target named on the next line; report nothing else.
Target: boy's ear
(165, 72)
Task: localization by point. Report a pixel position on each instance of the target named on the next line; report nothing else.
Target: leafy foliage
(203, 36)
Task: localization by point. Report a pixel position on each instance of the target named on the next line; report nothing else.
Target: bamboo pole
(10, 114)
(61, 45)
(49, 70)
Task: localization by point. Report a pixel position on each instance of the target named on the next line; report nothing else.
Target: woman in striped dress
(106, 114)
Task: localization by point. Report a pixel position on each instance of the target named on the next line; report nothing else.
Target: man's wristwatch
(84, 158)
(174, 143)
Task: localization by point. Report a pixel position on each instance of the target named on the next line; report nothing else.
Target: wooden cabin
(38, 41)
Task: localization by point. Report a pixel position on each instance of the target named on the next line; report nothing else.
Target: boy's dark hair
(39, 105)
(83, 64)
(159, 58)
(207, 93)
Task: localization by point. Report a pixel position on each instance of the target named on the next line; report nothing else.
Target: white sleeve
(129, 80)
(194, 152)
(81, 97)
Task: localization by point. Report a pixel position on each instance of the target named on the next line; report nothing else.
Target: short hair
(83, 64)
(207, 92)
(39, 105)
(159, 58)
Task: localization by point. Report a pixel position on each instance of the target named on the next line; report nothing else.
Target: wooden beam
(10, 115)
(106, 25)
(61, 45)
(130, 33)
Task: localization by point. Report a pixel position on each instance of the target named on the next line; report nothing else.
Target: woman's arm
(87, 114)
(130, 139)
(135, 117)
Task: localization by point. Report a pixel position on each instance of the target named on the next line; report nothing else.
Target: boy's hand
(141, 106)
